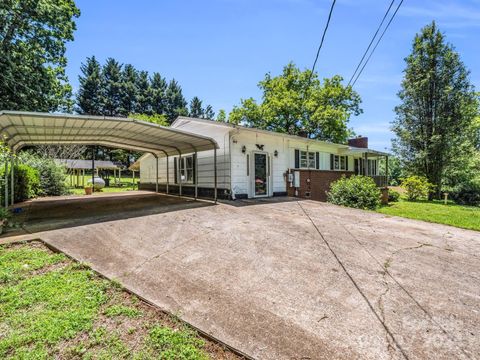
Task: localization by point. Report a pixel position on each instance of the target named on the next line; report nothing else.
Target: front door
(260, 172)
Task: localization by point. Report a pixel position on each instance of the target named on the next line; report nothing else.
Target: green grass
(467, 217)
(52, 307)
(125, 181)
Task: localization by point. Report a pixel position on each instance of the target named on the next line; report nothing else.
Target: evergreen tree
(222, 115)
(144, 97)
(89, 96)
(129, 90)
(434, 121)
(176, 104)
(112, 88)
(209, 113)
(158, 93)
(196, 109)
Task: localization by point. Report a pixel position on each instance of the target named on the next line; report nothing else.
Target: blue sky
(220, 49)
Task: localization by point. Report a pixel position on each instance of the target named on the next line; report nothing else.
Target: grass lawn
(54, 308)
(467, 217)
(126, 185)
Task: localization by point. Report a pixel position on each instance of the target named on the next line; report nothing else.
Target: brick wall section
(360, 142)
(320, 181)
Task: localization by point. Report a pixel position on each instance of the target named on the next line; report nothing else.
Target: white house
(259, 163)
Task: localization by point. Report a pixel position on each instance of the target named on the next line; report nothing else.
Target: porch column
(83, 177)
(365, 168)
(93, 169)
(168, 175)
(386, 170)
(195, 179)
(215, 173)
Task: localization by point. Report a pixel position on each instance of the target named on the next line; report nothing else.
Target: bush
(467, 194)
(26, 182)
(393, 196)
(416, 187)
(356, 191)
(52, 175)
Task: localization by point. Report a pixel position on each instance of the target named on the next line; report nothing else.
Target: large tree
(33, 35)
(144, 94)
(158, 97)
(434, 121)
(175, 102)
(89, 96)
(297, 102)
(196, 109)
(128, 89)
(112, 88)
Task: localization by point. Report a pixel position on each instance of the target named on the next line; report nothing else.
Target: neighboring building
(259, 163)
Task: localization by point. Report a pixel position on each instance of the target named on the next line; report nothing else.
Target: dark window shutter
(175, 170)
(194, 168)
(346, 163)
(331, 161)
(317, 160)
(297, 158)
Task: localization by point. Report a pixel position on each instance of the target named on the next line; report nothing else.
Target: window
(339, 162)
(187, 169)
(307, 160)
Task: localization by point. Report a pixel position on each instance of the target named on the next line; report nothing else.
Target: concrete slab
(292, 279)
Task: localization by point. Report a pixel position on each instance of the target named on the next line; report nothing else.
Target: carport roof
(31, 128)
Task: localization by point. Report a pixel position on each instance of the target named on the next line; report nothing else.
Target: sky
(219, 50)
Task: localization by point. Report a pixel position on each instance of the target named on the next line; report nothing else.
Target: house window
(339, 162)
(187, 169)
(307, 160)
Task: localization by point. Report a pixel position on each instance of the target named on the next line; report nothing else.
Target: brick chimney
(359, 141)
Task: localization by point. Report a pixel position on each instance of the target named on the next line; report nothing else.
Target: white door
(260, 174)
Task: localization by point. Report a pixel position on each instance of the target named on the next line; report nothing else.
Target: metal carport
(20, 129)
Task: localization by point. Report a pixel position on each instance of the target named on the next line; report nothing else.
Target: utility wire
(371, 42)
(323, 38)
(379, 39)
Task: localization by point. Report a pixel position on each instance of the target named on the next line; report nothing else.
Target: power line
(371, 42)
(323, 38)
(379, 39)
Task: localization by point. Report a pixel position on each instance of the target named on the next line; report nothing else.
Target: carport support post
(168, 175)
(386, 170)
(215, 173)
(12, 185)
(156, 172)
(6, 182)
(196, 177)
(180, 174)
(93, 169)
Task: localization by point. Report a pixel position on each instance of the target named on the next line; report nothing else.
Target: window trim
(337, 162)
(309, 157)
(182, 169)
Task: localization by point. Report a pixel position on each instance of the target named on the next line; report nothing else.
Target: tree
(434, 121)
(112, 88)
(158, 97)
(196, 109)
(209, 113)
(158, 119)
(144, 99)
(128, 89)
(176, 104)
(296, 102)
(222, 115)
(89, 96)
(33, 35)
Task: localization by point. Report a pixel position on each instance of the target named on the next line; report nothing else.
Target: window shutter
(175, 170)
(317, 160)
(346, 163)
(331, 161)
(297, 158)
(194, 168)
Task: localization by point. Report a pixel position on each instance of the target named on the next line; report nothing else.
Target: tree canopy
(33, 35)
(435, 121)
(297, 102)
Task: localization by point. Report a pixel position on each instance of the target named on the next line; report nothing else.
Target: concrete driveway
(288, 279)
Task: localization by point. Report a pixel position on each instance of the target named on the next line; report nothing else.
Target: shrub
(26, 182)
(356, 191)
(52, 175)
(416, 187)
(467, 194)
(393, 195)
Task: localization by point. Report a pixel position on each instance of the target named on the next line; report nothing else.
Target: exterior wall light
(275, 153)
(244, 149)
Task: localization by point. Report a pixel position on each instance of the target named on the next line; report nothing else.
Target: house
(255, 163)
